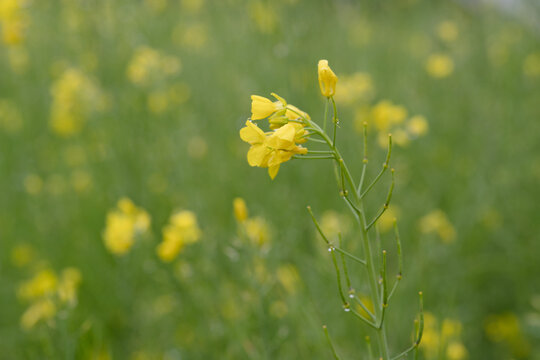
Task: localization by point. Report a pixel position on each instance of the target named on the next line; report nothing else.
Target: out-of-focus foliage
(120, 160)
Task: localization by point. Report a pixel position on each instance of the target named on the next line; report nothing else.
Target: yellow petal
(257, 154)
(261, 107)
(252, 134)
(283, 138)
(272, 171)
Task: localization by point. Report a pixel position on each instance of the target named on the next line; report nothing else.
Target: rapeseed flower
(240, 209)
(437, 222)
(181, 230)
(262, 107)
(75, 97)
(123, 224)
(270, 151)
(439, 65)
(327, 79)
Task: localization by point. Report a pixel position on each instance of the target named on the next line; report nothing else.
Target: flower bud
(327, 79)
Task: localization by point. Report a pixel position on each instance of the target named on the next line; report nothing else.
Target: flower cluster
(443, 338)
(388, 117)
(181, 230)
(271, 149)
(48, 292)
(123, 224)
(75, 97)
(254, 229)
(13, 21)
(151, 70)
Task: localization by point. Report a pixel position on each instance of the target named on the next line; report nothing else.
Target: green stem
(370, 266)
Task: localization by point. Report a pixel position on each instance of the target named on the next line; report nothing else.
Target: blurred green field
(104, 100)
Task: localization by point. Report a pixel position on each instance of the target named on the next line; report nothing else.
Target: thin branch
(386, 203)
(336, 357)
(364, 161)
(385, 166)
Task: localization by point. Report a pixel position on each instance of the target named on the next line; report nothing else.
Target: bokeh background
(143, 100)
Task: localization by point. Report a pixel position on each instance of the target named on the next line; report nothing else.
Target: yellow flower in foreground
(269, 151)
(123, 223)
(262, 107)
(439, 65)
(181, 230)
(327, 79)
(240, 209)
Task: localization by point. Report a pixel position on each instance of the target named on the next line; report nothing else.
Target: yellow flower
(456, 351)
(327, 79)
(417, 125)
(43, 283)
(181, 230)
(123, 223)
(437, 222)
(269, 151)
(240, 209)
(43, 309)
(289, 278)
(257, 231)
(439, 65)
(355, 88)
(67, 287)
(447, 31)
(262, 107)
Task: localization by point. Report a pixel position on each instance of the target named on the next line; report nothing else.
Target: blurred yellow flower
(75, 97)
(11, 120)
(43, 283)
(278, 309)
(192, 6)
(447, 31)
(264, 16)
(288, 277)
(70, 278)
(33, 184)
(456, 351)
(386, 114)
(81, 180)
(257, 231)
(386, 221)
(531, 65)
(197, 147)
(13, 21)
(355, 88)
(439, 65)
(181, 230)
(43, 309)
(506, 328)
(22, 255)
(149, 67)
(240, 209)
(437, 222)
(123, 224)
(327, 79)
(417, 126)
